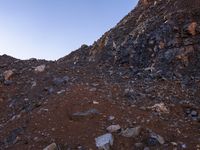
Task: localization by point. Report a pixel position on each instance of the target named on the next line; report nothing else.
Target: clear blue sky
(51, 29)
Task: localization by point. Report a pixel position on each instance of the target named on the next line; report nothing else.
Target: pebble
(139, 145)
(146, 148)
(184, 146)
(93, 89)
(152, 141)
(194, 113)
(52, 146)
(110, 118)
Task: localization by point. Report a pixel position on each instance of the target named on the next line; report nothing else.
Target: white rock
(110, 118)
(161, 108)
(52, 146)
(95, 102)
(104, 142)
(113, 128)
(40, 68)
(131, 132)
(7, 74)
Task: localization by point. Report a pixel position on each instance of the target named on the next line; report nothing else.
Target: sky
(50, 29)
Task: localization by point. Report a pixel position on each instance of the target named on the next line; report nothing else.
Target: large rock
(104, 142)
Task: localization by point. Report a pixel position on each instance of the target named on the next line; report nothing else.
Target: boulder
(104, 142)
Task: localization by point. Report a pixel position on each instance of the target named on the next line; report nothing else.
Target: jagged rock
(104, 142)
(40, 68)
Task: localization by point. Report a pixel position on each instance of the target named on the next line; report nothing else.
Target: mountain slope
(143, 75)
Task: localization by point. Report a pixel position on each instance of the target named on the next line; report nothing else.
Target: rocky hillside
(136, 88)
(158, 35)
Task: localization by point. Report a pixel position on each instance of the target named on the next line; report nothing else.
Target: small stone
(7, 74)
(13, 136)
(93, 89)
(60, 92)
(110, 118)
(146, 148)
(188, 111)
(194, 113)
(33, 84)
(159, 138)
(183, 146)
(174, 143)
(35, 139)
(192, 28)
(59, 81)
(143, 108)
(139, 145)
(152, 141)
(104, 142)
(52, 146)
(95, 102)
(40, 68)
(160, 108)
(131, 132)
(113, 128)
(7, 82)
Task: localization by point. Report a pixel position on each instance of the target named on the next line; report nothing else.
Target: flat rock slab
(85, 114)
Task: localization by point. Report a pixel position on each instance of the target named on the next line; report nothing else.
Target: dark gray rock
(12, 137)
(61, 80)
(7, 82)
(152, 141)
(194, 113)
